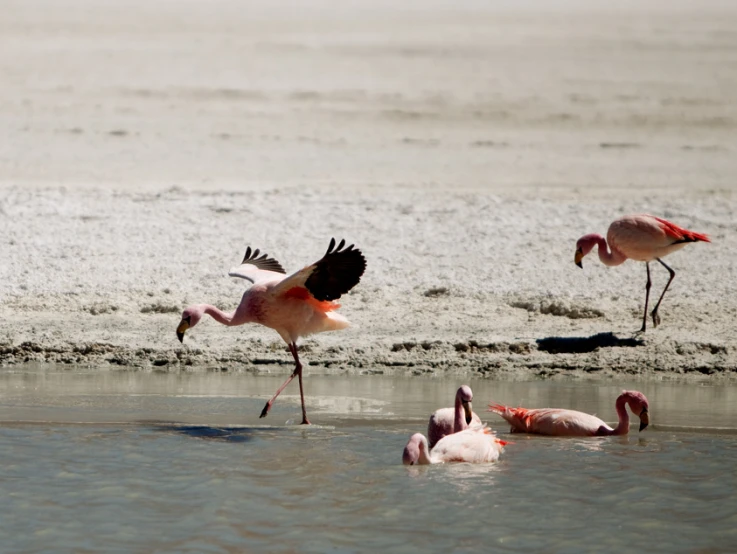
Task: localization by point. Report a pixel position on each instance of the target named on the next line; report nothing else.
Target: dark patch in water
(225, 434)
(571, 345)
(618, 145)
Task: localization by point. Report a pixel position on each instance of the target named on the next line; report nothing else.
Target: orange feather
(301, 293)
(679, 233)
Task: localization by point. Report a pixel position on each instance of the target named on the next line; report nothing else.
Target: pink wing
(258, 269)
(644, 237)
(551, 421)
(476, 445)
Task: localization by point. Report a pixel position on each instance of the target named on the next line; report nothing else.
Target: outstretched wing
(337, 272)
(258, 269)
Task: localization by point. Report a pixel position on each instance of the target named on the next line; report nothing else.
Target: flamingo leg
(296, 373)
(656, 317)
(305, 421)
(647, 297)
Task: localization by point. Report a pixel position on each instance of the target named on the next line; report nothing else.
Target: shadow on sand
(576, 345)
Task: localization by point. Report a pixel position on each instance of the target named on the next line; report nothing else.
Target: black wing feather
(338, 271)
(264, 262)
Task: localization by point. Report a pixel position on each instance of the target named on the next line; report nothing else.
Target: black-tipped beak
(183, 326)
(644, 419)
(578, 257)
(468, 412)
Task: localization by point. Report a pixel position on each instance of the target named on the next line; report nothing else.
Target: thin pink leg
(647, 297)
(305, 421)
(296, 373)
(656, 317)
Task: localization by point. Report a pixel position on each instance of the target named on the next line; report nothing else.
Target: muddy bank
(469, 282)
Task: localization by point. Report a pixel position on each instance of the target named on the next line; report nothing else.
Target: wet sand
(464, 150)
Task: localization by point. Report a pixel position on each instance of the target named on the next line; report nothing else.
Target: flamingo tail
(518, 418)
(681, 234)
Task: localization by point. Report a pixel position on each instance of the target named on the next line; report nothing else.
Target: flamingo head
(415, 451)
(639, 406)
(190, 317)
(465, 396)
(583, 247)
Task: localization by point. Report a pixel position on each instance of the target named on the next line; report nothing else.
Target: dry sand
(463, 149)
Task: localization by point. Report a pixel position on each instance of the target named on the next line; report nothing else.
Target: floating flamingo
(475, 445)
(446, 421)
(294, 306)
(552, 421)
(643, 238)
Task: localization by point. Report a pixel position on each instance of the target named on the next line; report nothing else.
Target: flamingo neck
(608, 257)
(459, 416)
(219, 315)
(624, 418)
(424, 453)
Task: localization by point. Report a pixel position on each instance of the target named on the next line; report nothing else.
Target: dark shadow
(575, 345)
(225, 434)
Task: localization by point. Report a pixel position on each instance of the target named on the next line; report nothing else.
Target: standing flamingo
(553, 421)
(643, 238)
(294, 306)
(446, 421)
(475, 445)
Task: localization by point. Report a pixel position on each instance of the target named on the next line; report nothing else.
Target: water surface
(127, 461)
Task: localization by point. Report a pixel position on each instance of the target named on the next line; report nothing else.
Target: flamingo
(643, 238)
(553, 421)
(446, 421)
(475, 445)
(294, 306)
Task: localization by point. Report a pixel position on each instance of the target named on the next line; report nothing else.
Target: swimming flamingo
(294, 306)
(475, 445)
(446, 421)
(643, 238)
(552, 421)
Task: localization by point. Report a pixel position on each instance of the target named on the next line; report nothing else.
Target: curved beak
(578, 257)
(469, 412)
(183, 326)
(644, 419)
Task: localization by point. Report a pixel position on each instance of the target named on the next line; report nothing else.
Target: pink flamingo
(446, 421)
(294, 306)
(643, 238)
(475, 445)
(552, 421)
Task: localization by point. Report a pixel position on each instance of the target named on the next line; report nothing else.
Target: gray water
(124, 461)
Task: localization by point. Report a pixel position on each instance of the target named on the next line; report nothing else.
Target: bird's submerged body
(475, 445)
(572, 423)
(294, 306)
(553, 421)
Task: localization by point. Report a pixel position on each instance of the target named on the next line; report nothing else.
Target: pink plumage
(294, 306)
(643, 238)
(560, 422)
(446, 421)
(475, 445)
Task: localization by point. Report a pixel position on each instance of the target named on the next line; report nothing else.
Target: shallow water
(159, 462)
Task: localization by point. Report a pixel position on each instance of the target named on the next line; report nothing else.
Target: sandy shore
(463, 150)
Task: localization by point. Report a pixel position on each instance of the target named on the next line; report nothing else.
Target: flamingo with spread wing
(294, 306)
